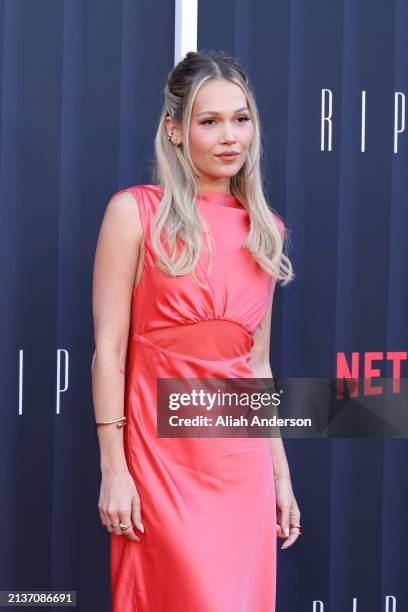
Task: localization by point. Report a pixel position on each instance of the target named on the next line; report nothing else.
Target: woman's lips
(227, 157)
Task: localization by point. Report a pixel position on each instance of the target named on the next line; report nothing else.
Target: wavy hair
(173, 170)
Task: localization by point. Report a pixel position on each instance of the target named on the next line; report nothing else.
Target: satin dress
(207, 504)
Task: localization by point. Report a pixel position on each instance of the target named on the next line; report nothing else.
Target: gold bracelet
(120, 422)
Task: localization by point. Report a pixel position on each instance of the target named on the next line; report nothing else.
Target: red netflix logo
(366, 366)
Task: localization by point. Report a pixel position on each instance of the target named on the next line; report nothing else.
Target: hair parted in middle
(173, 169)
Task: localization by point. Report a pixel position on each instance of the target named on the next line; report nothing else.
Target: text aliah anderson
(229, 421)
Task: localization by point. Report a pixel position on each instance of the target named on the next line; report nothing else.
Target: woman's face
(220, 123)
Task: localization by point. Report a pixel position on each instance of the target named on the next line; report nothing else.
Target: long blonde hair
(173, 169)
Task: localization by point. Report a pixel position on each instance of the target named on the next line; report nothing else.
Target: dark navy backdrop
(81, 87)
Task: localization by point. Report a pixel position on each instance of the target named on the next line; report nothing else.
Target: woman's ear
(173, 130)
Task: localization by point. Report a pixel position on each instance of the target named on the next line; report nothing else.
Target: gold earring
(170, 137)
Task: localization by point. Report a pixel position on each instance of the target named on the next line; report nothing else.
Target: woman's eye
(242, 117)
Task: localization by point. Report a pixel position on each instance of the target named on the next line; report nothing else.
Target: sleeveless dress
(207, 504)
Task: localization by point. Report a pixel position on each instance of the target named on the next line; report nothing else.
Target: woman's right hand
(119, 502)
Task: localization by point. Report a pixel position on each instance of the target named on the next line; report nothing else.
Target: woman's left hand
(287, 511)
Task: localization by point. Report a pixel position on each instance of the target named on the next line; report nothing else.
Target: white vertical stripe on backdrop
(185, 28)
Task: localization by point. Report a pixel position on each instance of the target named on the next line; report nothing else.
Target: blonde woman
(184, 276)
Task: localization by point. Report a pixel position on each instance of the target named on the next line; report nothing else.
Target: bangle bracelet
(119, 422)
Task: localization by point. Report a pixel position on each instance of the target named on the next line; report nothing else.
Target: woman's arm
(287, 509)
(116, 260)
(260, 365)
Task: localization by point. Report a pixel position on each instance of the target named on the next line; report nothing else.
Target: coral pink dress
(208, 504)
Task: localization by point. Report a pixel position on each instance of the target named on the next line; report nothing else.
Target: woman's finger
(114, 520)
(123, 517)
(279, 531)
(106, 522)
(130, 532)
(104, 517)
(294, 534)
(136, 514)
(284, 519)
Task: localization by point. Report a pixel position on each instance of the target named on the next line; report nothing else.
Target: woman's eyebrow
(217, 113)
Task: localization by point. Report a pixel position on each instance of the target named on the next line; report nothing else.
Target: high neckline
(213, 197)
(220, 198)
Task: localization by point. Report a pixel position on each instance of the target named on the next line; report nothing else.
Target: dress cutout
(207, 504)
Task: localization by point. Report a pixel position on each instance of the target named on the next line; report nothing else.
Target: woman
(193, 521)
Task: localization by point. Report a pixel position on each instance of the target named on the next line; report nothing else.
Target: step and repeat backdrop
(81, 90)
